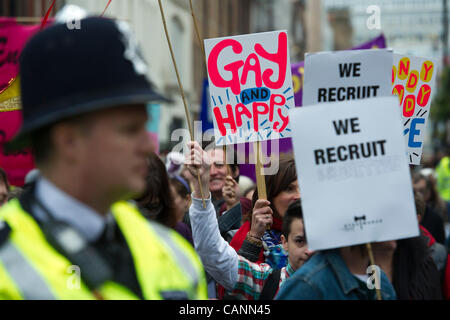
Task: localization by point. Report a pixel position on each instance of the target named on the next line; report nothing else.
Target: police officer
(72, 235)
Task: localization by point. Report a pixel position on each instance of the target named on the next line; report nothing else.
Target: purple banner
(285, 145)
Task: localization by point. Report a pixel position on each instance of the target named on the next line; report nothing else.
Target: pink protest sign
(16, 164)
(12, 39)
(250, 87)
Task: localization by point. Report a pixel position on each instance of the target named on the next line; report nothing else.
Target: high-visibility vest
(443, 178)
(30, 268)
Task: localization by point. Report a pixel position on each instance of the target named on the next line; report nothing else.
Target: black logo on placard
(361, 222)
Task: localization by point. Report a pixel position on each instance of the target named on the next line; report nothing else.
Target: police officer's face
(115, 150)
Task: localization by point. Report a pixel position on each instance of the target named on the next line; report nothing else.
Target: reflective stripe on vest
(178, 263)
(180, 256)
(28, 281)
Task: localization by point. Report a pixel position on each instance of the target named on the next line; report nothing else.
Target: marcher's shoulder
(387, 289)
(306, 282)
(297, 288)
(439, 254)
(312, 270)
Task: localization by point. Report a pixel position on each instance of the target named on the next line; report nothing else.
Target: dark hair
(293, 212)
(419, 201)
(157, 199)
(181, 186)
(432, 189)
(277, 183)
(415, 276)
(4, 178)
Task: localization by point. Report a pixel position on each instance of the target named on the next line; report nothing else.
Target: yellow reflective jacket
(30, 268)
(443, 178)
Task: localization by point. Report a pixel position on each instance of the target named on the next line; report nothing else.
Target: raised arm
(219, 259)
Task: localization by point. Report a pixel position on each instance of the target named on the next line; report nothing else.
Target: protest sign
(352, 171)
(250, 87)
(413, 80)
(13, 37)
(297, 69)
(346, 75)
(12, 40)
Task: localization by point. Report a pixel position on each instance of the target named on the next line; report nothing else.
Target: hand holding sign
(262, 216)
(197, 164)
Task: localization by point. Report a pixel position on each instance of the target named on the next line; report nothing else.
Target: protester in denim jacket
(338, 274)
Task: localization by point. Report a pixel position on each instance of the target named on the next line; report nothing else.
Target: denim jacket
(326, 277)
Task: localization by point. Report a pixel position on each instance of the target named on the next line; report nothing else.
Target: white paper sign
(346, 75)
(353, 174)
(413, 80)
(250, 86)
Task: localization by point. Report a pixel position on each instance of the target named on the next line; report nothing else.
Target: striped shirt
(253, 276)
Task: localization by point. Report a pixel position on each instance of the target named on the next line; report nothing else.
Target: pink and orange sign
(413, 80)
(250, 87)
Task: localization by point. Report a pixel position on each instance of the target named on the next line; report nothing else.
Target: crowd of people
(137, 227)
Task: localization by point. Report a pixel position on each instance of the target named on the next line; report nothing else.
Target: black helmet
(66, 72)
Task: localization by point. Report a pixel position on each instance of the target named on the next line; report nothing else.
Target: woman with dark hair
(415, 275)
(252, 240)
(181, 193)
(409, 265)
(157, 201)
(431, 219)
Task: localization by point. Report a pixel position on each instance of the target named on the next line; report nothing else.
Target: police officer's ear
(68, 140)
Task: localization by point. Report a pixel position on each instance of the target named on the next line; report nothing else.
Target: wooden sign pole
(188, 118)
(372, 262)
(202, 47)
(260, 180)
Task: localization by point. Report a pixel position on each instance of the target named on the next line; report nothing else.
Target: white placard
(346, 75)
(353, 174)
(250, 86)
(413, 81)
